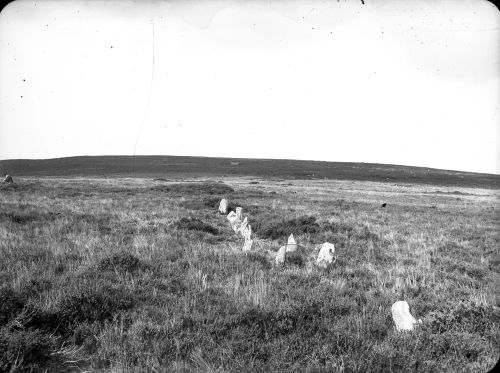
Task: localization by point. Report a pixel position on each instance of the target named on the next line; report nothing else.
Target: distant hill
(176, 166)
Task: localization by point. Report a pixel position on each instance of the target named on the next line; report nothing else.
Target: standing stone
(234, 221)
(280, 256)
(223, 206)
(291, 244)
(239, 212)
(8, 179)
(243, 225)
(246, 232)
(402, 316)
(247, 246)
(325, 255)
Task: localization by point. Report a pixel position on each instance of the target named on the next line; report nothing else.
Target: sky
(400, 82)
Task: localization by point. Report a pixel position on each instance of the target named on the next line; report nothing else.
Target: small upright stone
(291, 244)
(325, 255)
(402, 317)
(223, 206)
(280, 256)
(8, 179)
(239, 212)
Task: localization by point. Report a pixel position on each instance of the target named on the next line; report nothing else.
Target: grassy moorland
(183, 166)
(143, 275)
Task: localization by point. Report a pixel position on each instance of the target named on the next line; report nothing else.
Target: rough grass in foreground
(100, 277)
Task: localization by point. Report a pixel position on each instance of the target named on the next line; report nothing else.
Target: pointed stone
(223, 206)
(291, 244)
(325, 255)
(402, 317)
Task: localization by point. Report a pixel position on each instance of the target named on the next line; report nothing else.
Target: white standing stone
(246, 232)
(239, 212)
(243, 225)
(325, 255)
(247, 246)
(402, 316)
(291, 244)
(223, 206)
(234, 221)
(280, 256)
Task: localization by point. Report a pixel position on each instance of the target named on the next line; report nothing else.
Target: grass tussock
(195, 224)
(122, 262)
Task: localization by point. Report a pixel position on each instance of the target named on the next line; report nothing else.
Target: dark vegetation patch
(194, 188)
(8, 186)
(294, 258)
(205, 202)
(25, 351)
(195, 224)
(34, 254)
(35, 287)
(275, 227)
(259, 258)
(89, 305)
(25, 217)
(454, 192)
(464, 317)
(11, 304)
(122, 262)
(101, 223)
(30, 335)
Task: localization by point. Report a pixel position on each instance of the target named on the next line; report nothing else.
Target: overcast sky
(404, 82)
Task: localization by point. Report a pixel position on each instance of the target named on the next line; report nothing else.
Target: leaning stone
(280, 256)
(402, 317)
(223, 206)
(8, 179)
(325, 255)
(239, 212)
(291, 244)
